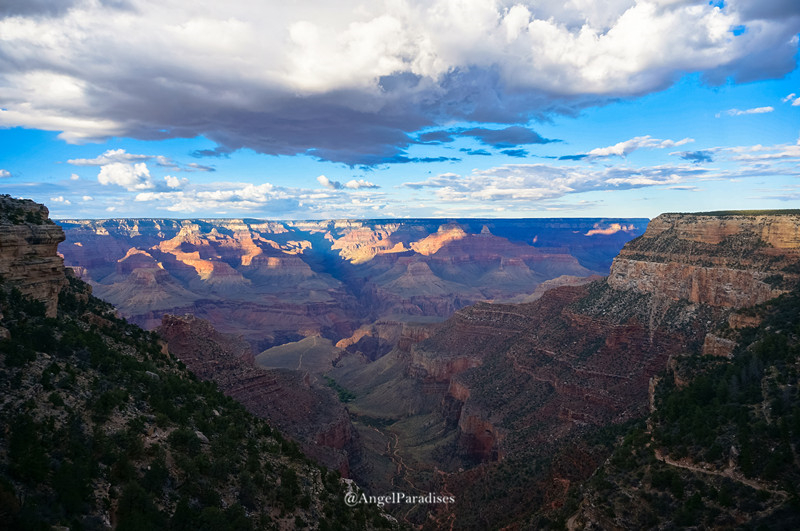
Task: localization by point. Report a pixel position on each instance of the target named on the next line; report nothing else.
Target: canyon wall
(731, 261)
(28, 242)
(290, 400)
(594, 348)
(277, 282)
(518, 382)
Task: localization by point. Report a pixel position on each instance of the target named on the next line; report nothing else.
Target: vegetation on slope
(720, 451)
(102, 428)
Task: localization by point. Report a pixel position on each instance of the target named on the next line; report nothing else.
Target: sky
(399, 108)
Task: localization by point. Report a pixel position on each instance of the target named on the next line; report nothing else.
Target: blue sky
(445, 108)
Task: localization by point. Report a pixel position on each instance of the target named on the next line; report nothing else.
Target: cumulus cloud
(536, 182)
(353, 82)
(109, 157)
(87, 198)
(224, 197)
(74, 177)
(352, 184)
(623, 149)
(327, 183)
(130, 176)
(122, 156)
(4, 174)
(755, 110)
(174, 182)
(60, 199)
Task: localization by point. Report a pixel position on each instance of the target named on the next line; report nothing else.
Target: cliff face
(731, 261)
(290, 400)
(519, 381)
(28, 243)
(596, 347)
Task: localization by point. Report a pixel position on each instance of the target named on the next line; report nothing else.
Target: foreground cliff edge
(101, 428)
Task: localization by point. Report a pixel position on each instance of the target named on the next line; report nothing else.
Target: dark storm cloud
(769, 9)
(34, 7)
(49, 8)
(356, 86)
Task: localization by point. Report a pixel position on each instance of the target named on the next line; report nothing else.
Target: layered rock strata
(28, 244)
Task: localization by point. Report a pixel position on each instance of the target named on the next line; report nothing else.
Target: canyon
(459, 358)
(276, 282)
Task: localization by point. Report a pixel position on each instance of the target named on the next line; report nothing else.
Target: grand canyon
(497, 362)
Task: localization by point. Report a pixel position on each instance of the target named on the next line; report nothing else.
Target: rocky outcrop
(731, 261)
(291, 400)
(28, 251)
(718, 346)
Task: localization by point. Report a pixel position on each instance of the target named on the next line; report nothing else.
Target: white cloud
(129, 176)
(223, 196)
(110, 156)
(623, 149)
(761, 154)
(74, 177)
(327, 183)
(360, 183)
(246, 74)
(756, 110)
(352, 184)
(174, 182)
(4, 174)
(87, 198)
(60, 199)
(790, 97)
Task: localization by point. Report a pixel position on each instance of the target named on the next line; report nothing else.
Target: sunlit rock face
(28, 243)
(731, 261)
(275, 282)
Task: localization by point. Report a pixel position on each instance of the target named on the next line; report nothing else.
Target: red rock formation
(726, 261)
(586, 355)
(28, 244)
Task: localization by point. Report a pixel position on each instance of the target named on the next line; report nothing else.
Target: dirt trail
(729, 473)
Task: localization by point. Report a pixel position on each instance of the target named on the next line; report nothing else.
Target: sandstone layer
(28, 243)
